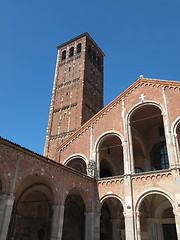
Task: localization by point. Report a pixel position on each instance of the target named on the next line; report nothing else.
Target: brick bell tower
(77, 92)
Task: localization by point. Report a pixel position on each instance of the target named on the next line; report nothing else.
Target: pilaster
(128, 211)
(6, 207)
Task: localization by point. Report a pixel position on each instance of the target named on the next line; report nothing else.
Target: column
(57, 222)
(138, 225)
(92, 227)
(6, 207)
(177, 221)
(128, 210)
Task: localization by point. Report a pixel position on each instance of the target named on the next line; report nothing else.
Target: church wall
(152, 182)
(111, 121)
(111, 187)
(173, 100)
(81, 144)
(150, 93)
(21, 164)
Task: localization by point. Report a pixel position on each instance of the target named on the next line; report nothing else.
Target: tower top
(78, 37)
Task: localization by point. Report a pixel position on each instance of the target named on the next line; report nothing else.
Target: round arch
(45, 178)
(155, 207)
(32, 211)
(151, 191)
(136, 106)
(145, 121)
(176, 141)
(175, 124)
(112, 222)
(78, 161)
(109, 154)
(82, 193)
(105, 134)
(75, 204)
(107, 196)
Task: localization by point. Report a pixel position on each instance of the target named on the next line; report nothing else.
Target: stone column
(168, 134)
(176, 150)
(177, 221)
(138, 225)
(6, 207)
(92, 228)
(128, 210)
(57, 222)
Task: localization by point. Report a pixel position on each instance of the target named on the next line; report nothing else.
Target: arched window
(71, 52)
(78, 164)
(63, 55)
(79, 48)
(159, 157)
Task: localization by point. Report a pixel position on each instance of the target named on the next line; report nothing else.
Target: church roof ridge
(118, 98)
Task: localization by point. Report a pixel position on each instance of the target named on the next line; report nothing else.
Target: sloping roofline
(118, 98)
(80, 36)
(41, 157)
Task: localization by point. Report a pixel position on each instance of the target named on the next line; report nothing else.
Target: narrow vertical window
(63, 55)
(71, 52)
(79, 48)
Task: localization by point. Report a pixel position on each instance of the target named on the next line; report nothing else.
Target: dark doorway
(74, 218)
(169, 231)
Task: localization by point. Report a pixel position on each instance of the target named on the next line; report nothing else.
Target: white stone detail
(109, 192)
(142, 97)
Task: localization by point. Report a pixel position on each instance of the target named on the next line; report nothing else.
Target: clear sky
(137, 36)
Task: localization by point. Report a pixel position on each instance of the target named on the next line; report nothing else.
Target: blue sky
(137, 36)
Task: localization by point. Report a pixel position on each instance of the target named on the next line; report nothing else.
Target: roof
(140, 80)
(78, 37)
(41, 157)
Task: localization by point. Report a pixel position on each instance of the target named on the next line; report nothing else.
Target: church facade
(109, 173)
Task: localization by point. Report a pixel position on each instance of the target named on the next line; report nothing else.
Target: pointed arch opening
(148, 138)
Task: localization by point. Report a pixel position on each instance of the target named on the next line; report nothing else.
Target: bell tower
(77, 92)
